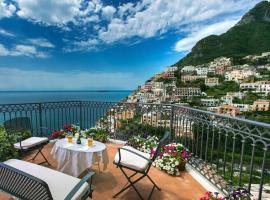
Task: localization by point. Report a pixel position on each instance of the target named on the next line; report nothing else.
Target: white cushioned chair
(30, 142)
(19, 124)
(129, 159)
(134, 160)
(29, 181)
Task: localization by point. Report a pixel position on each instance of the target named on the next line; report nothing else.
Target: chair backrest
(22, 185)
(161, 143)
(18, 124)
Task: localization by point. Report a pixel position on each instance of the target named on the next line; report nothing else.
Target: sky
(103, 44)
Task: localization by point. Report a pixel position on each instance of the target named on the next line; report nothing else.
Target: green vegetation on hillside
(222, 89)
(250, 36)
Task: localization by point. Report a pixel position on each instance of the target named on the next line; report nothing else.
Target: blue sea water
(51, 96)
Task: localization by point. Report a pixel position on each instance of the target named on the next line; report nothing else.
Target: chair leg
(46, 161)
(155, 185)
(40, 152)
(36, 155)
(131, 184)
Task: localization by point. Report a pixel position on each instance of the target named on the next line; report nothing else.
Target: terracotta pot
(182, 166)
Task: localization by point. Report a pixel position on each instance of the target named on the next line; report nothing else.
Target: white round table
(75, 158)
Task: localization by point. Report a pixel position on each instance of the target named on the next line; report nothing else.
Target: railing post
(81, 114)
(40, 118)
(171, 123)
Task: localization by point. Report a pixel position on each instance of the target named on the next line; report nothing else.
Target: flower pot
(182, 166)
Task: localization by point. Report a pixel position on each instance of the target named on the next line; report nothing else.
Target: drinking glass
(90, 141)
(69, 137)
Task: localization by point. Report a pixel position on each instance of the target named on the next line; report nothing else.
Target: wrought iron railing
(228, 151)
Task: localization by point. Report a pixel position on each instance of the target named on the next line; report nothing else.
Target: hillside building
(211, 82)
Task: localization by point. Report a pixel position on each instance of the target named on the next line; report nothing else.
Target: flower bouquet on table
(68, 129)
(58, 134)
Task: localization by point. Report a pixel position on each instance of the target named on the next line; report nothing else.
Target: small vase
(182, 166)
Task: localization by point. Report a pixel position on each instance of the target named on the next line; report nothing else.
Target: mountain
(251, 35)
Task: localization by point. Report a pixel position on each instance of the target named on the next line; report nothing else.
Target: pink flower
(184, 154)
(152, 152)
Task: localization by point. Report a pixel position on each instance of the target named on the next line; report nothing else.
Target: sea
(53, 120)
(55, 96)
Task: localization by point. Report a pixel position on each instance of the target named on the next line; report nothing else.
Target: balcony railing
(229, 152)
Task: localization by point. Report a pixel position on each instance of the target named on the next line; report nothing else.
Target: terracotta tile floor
(111, 181)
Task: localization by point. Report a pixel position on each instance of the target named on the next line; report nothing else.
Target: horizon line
(101, 90)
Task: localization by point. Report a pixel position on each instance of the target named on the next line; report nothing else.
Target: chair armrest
(19, 139)
(135, 153)
(85, 179)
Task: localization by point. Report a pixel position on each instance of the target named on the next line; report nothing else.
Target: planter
(182, 166)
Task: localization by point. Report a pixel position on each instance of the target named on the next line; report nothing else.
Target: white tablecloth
(74, 158)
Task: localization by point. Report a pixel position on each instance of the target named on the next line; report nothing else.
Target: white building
(189, 91)
(211, 102)
(188, 69)
(242, 107)
(211, 82)
(221, 61)
(228, 99)
(145, 97)
(258, 86)
(157, 85)
(248, 86)
(202, 71)
(263, 87)
(240, 75)
(171, 69)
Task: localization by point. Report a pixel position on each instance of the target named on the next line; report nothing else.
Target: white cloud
(50, 12)
(22, 50)
(6, 10)
(84, 45)
(201, 32)
(150, 18)
(3, 50)
(17, 79)
(108, 12)
(42, 42)
(6, 33)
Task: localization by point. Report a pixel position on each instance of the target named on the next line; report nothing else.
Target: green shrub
(7, 141)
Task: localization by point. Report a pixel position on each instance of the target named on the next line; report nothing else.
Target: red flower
(56, 134)
(67, 127)
(174, 153)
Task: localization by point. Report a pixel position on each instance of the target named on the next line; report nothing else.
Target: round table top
(83, 147)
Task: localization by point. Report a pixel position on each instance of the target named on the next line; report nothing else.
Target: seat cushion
(60, 184)
(31, 142)
(131, 160)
